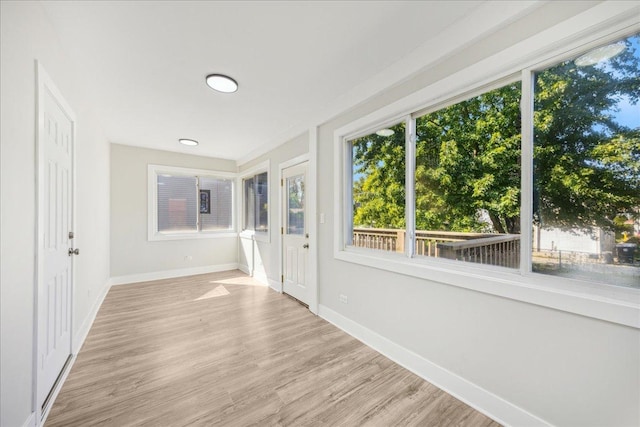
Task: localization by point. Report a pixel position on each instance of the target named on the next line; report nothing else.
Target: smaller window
(378, 190)
(256, 203)
(216, 205)
(467, 180)
(188, 203)
(295, 204)
(177, 204)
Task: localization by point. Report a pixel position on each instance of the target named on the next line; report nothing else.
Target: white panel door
(56, 210)
(295, 240)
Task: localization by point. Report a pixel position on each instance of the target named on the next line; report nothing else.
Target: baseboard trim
(478, 398)
(169, 274)
(30, 421)
(58, 387)
(262, 278)
(244, 269)
(81, 335)
(275, 285)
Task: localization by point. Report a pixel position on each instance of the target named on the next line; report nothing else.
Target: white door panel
(291, 264)
(295, 238)
(302, 268)
(56, 209)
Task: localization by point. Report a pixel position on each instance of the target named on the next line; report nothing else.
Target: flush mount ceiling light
(222, 83)
(600, 54)
(189, 142)
(385, 132)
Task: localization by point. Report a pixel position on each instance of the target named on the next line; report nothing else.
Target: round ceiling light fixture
(600, 54)
(222, 83)
(385, 132)
(189, 142)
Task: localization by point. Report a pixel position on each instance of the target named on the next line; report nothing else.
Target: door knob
(305, 246)
(75, 251)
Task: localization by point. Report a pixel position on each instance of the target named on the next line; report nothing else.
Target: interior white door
(56, 210)
(295, 238)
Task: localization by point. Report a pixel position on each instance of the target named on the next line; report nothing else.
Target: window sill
(257, 236)
(192, 236)
(605, 302)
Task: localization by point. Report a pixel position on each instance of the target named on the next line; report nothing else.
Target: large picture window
(447, 183)
(586, 146)
(188, 203)
(466, 176)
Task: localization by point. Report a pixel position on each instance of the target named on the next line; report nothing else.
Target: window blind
(218, 216)
(177, 204)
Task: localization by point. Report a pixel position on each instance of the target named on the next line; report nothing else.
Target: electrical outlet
(344, 299)
(188, 258)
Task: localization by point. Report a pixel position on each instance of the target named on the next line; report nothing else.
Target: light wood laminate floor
(219, 349)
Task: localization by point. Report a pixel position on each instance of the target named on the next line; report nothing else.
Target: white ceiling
(146, 62)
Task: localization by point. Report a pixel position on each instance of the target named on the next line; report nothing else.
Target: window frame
(253, 172)
(603, 301)
(152, 208)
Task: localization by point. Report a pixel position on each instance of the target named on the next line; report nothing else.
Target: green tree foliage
(379, 170)
(587, 164)
(468, 162)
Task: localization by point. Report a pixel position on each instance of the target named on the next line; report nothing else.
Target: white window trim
(616, 304)
(249, 173)
(152, 208)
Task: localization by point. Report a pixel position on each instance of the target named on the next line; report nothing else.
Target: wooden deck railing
(502, 250)
(483, 248)
(379, 238)
(427, 241)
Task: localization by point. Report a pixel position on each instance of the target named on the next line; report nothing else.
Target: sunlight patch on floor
(242, 280)
(219, 291)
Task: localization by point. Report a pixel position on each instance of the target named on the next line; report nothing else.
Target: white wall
(563, 368)
(132, 255)
(27, 35)
(266, 261)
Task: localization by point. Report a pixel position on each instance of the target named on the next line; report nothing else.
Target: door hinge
(281, 182)
(281, 230)
(282, 279)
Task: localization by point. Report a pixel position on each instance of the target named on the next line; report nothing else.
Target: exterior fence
(483, 248)
(502, 250)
